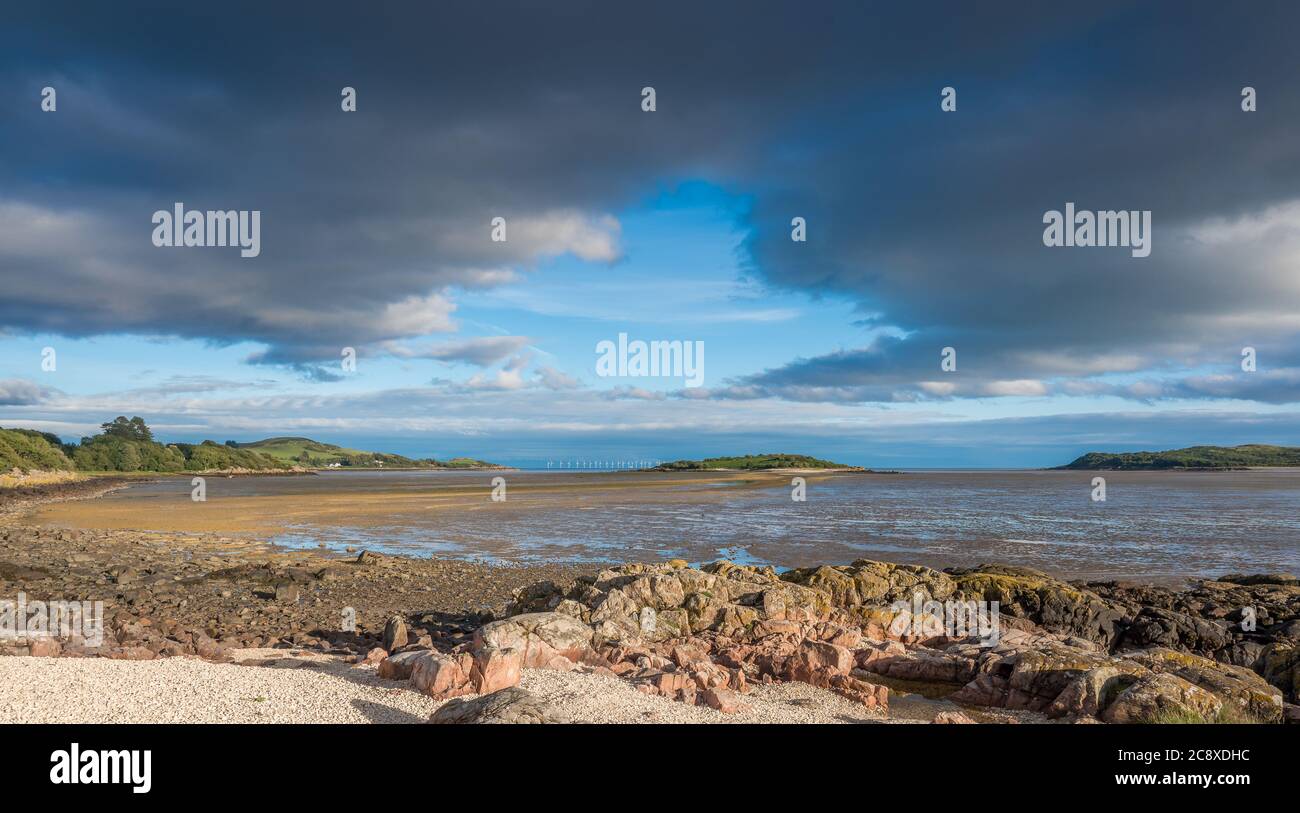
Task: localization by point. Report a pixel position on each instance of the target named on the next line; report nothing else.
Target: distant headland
(1193, 457)
(128, 445)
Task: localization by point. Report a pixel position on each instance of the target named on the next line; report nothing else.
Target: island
(756, 462)
(315, 454)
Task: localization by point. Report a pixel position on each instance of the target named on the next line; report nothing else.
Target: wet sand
(171, 509)
(1158, 526)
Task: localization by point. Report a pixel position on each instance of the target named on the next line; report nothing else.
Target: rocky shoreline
(1224, 650)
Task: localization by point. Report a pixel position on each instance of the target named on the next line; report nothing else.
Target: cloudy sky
(924, 227)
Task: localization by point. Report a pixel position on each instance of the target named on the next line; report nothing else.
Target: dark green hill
(1193, 457)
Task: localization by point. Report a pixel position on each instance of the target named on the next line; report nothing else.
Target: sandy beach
(382, 501)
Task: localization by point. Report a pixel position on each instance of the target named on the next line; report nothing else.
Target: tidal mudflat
(1160, 526)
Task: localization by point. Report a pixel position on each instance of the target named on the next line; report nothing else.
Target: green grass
(312, 453)
(1228, 715)
(752, 462)
(1193, 457)
(295, 450)
(210, 456)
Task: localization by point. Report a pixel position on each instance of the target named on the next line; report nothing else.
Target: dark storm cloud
(931, 221)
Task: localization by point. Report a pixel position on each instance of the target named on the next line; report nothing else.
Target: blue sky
(924, 230)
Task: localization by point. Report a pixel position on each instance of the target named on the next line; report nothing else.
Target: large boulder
(509, 706)
(828, 666)
(1158, 627)
(1052, 604)
(1162, 697)
(1238, 688)
(395, 634)
(815, 660)
(1233, 618)
(400, 666)
(543, 640)
(495, 669)
(441, 676)
(1280, 666)
(1032, 672)
(1088, 694)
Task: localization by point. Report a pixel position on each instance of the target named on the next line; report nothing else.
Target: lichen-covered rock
(1053, 656)
(736, 619)
(573, 608)
(1027, 672)
(537, 597)
(1280, 665)
(1155, 696)
(1250, 611)
(871, 583)
(1236, 686)
(660, 592)
(835, 582)
(512, 706)
(1094, 690)
(1052, 604)
(616, 618)
(885, 582)
(704, 610)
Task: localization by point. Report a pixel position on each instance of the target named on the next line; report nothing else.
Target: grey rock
(511, 706)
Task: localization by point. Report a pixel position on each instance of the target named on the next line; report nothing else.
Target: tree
(133, 429)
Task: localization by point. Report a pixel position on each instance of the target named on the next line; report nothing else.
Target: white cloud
(21, 392)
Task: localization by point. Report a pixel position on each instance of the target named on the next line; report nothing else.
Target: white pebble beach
(272, 686)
